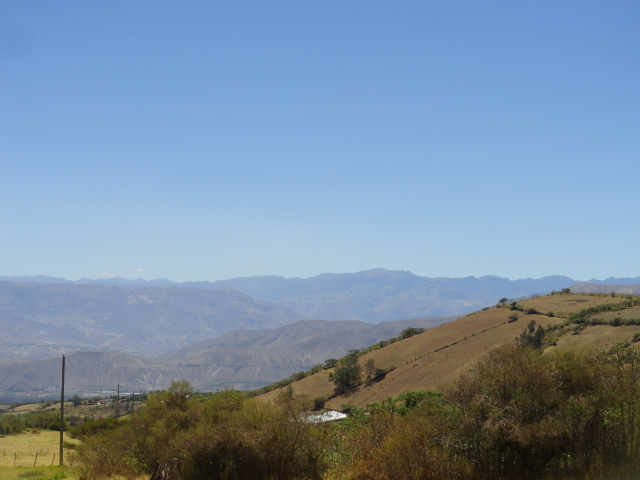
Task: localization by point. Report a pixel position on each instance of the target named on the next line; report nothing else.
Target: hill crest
(435, 359)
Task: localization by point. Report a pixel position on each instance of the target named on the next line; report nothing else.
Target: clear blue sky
(205, 140)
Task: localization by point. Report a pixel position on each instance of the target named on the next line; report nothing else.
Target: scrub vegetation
(572, 413)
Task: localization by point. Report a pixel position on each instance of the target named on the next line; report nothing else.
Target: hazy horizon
(134, 278)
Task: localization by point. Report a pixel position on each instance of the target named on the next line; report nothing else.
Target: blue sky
(206, 140)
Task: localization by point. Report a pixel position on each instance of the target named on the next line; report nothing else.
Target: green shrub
(11, 424)
(319, 402)
(93, 427)
(410, 332)
(347, 375)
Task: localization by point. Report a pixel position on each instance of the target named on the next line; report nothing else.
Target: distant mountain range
(43, 319)
(372, 295)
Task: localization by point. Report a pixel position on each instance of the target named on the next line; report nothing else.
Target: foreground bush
(226, 437)
(520, 414)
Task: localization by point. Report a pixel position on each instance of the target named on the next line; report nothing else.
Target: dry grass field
(36, 455)
(629, 313)
(28, 407)
(434, 359)
(104, 409)
(23, 449)
(563, 305)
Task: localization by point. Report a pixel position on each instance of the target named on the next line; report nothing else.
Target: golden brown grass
(434, 359)
(629, 313)
(563, 305)
(29, 407)
(597, 336)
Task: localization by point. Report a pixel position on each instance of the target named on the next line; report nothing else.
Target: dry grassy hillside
(436, 358)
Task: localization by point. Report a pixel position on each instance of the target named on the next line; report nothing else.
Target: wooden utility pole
(118, 403)
(62, 415)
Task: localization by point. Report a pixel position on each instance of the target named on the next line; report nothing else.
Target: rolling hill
(436, 358)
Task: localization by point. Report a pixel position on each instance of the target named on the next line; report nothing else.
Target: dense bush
(519, 414)
(410, 332)
(93, 427)
(228, 436)
(347, 375)
(48, 420)
(11, 424)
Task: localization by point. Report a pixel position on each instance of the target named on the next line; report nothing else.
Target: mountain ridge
(142, 320)
(240, 358)
(374, 295)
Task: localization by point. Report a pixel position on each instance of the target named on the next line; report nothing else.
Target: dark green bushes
(11, 424)
(93, 427)
(347, 375)
(228, 436)
(44, 420)
(532, 336)
(410, 332)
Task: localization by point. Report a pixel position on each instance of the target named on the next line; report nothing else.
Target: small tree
(532, 336)
(347, 375)
(369, 369)
(331, 362)
(410, 332)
